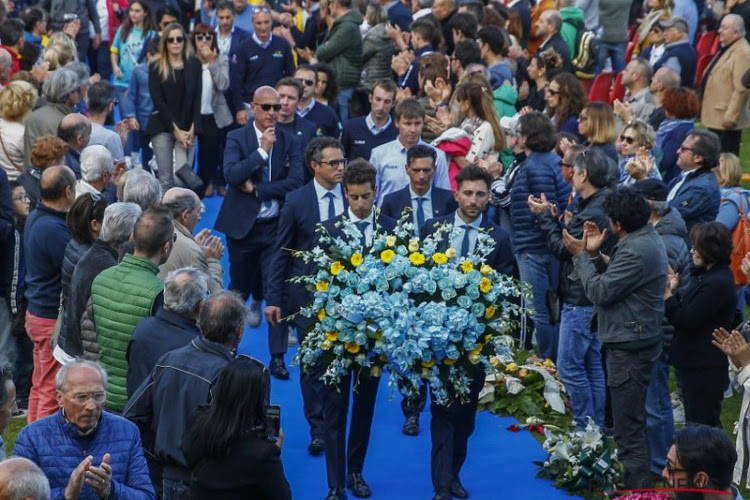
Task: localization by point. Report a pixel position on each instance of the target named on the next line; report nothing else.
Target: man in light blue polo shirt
(390, 158)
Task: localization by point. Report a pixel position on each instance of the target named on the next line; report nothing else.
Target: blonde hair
(61, 49)
(729, 170)
(17, 100)
(601, 123)
(163, 66)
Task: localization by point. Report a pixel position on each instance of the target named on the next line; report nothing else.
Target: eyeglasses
(566, 165)
(307, 82)
(629, 140)
(83, 397)
(582, 118)
(671, 469)
(552, 92)
(336, 163)
(23, 197)
(204, 37)
(176, 39)
(268, 107)
(684, 148)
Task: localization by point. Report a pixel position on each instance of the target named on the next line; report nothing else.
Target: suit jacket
(383, 224)
(727, 97)
(394, 203)
(500, 259)
(242, 161)
(298, 222)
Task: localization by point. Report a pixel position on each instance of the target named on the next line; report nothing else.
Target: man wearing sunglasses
(262, 163)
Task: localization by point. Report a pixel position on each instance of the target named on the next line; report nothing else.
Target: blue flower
(448, 294)
(464, 302)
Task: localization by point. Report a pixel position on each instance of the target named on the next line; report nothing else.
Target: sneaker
(252, 314)
(292, 338)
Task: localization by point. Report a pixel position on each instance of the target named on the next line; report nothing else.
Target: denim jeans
(615, 51)
(579, 361)
(175, 489)
(345, 95)
(659, 417)
(541, 271)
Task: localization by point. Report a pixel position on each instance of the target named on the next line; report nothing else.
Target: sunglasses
(204, 37)
(629, 140)
(552, 92)
(268, 107)
(176, 39)
(307, 82)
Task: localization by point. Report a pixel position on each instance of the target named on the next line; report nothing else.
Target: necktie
(420, 213)
(362, 226)
(266, 175)
(466, 243)
(331, 205)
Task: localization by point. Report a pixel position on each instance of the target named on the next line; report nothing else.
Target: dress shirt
(373, 128)
(390, 162)
(678, 185)
(263, 45)
(457, 234)
(369, 229)
(338, 200)
(224, 43)
(303, 112)
(207, 91)
(269, 208)
(426, 206)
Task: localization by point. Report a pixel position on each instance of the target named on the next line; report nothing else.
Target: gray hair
(95, 160)
(669, 78)
(62, 374)
(81, 70)
(5, 60)
(26, 480)
(737, 23)
(555, 19)
(142, 188)
(184, 289)
(59, 84)
(180, 203)
(660, 208)
(119, 221)
(222, 314)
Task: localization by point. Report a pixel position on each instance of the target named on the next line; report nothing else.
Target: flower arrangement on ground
(426, 315)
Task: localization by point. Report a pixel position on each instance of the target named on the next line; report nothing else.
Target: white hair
(142, 188)
(119, 221)
(183, 289)
(62, 374)
(95, 160)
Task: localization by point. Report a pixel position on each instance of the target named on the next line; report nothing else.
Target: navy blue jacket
(399, 15)
(410, 79)
(540, 173)
(524, 10)
(252, 66)
(383, 223)
(242, 161)
(325, 119)
(7, 237)
(394, 204)
(304, 130)
(298, 222)
(44, 240)
(698, 198)
(153, 337)
(688, 57)
(500, 259)
(557, 43)
(359, 142)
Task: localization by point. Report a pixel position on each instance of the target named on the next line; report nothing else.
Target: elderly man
(141, 188)
(548, 29)
(113, 465)
(97, 173)
(664, 78)
(21, 478)
(75, 130)
(202, 251)
(725, 108)
(679, 53)
(173, 326)
(181, 382)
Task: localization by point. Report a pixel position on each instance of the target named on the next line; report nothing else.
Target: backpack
(586, 55)
(740, 239)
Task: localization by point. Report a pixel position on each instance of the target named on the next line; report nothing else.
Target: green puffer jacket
(121, 296)
(342, 49)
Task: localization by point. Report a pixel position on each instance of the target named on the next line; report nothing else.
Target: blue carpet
(499, 464)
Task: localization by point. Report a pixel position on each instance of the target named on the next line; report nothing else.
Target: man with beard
(102, 102)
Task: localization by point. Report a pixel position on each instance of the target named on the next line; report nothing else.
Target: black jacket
(177, 100)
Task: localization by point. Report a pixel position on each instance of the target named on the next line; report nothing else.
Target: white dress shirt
(338, 200)
(268, 208)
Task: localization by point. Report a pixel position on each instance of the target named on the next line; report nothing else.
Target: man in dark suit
(320, 200)
(548, 29)
(452, 425)
(290, 91)
(261, 165)
(359, 187)
(425, 202)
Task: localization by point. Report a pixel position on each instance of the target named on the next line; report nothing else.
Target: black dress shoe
(358, 485)
(316, 447)
(458, 490)
(278, 368)
(336, 494)
(411, 426)
(442, 495)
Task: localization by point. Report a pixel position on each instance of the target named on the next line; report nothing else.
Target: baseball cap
(652, 189)
(678, 22)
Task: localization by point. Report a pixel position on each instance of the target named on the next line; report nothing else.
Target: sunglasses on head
(204, 37)
(268, 107)
(176, 39)
(629, 140)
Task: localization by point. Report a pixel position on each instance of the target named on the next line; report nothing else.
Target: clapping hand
(100, 478)
(673, 281)
(594, 237)
(733, 345)
(439, 91)
(538, 205)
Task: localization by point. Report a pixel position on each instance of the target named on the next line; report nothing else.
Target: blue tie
(266, 168)
(362, 226)
(420, 213)
(466, 243)
(331, 205)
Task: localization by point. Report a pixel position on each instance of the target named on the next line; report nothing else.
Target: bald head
(265, 91)
(667, 78)
(184, 205)
(75, 130)
(57, 184)
(21, 478)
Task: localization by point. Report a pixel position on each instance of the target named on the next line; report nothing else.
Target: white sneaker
(292, 338)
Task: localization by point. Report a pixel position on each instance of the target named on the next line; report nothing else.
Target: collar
(203, 344)
(320, 191)
(426, 196)
(88, 188)
(263, 44)
(231, 32)
(370, 218)
(402, 148)
(176, 319)
(258, 133)
(459, 222)
(182, 229)
(305, 111)
(423, 50)
(73, 429)
(374, 128)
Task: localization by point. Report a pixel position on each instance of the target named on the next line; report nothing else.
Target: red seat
(629, 52)
(705, 43)
(618, 90)
(715, 46)
(701, 67)
(599, 91)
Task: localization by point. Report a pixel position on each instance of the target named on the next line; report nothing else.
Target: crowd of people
(118, 340)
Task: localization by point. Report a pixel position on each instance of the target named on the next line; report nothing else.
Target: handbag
(188, 177)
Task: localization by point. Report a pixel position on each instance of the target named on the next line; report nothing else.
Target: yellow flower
(467, 266)
(326, 345)
(523, 374)
(478, 350)
(474, 359)
(352, 347)
(321, 286)
(449, 361)
(387, 255)
(336, 268)
(487, 338)
(416, 258)
(439, 258)
(356, 259)
(450, 253)
(390, 241)
(413, 245)
(512, 367)
(489, 312)
(494, 361)
(428, 364)
(321, 314)
(332, 336)
(376, 371)
(485, 269)
(485, 285)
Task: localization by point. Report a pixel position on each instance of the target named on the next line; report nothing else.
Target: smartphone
(273, 419)
(69, 17)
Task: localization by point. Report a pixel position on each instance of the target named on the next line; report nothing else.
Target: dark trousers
(450, 429)
(99, 61)
(413, 405)
(208, 147)
(628, 375)
(144, 140)
(730, 140)
(250, 256)
(342, 456)
(313, 388)
(702, 393)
